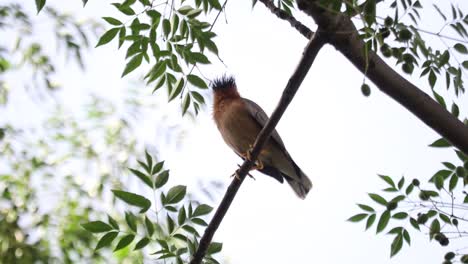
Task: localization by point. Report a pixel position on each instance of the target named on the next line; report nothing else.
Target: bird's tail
(301, 184)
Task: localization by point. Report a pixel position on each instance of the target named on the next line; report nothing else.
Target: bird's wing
(261, 117)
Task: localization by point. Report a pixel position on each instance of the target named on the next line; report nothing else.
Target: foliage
(437, 208)
(172, 235)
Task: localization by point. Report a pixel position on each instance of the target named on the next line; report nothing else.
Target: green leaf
(122, 34)
(157, 167)
(388, 180)
(179, 85)
(133, 199)
(400, 215)
(401, 183)
(149, 160)
(435, 228)
(200, 58)
(143, 177)
(465, 64)
(166, 27)
(142, 243)
(112, 21)
(439, 182)
(440, 143)
(377, 198)
(198, 97)
(414, 223)
(170, 223)
(182, 216)
(185, 9)
(396, 245)
(214, 247)
(112, 222)
(406, 236)
(133, 64)
(197, 81)
(370, 221)
(432, 79)
(149, 226)
(106, 240)
(202, 209)
(131, 221)
(39, 5)
(96, 227)
(366, 208)
(176, 194)
(191, 230)
(199, 221)
(409, 189)
(186, 104)
(455, 110)
(370, 12)
(124, 242)
(357, 218)
(461, 48)
(383, 221)
(453, 182)
(161, 179)
(107, 36)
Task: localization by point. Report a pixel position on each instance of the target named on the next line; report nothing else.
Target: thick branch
(308, 57)
(303, 29)
(340, 32)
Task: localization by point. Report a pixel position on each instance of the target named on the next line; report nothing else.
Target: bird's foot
(248, 155)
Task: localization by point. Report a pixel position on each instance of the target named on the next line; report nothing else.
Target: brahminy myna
(240, 120)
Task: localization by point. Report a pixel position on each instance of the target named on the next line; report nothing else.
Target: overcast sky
(339, 138)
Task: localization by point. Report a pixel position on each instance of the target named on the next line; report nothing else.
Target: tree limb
(340, 32)
(303, 29)
(313, 47)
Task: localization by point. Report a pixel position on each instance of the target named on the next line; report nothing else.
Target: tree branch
(340, 32)
(303, 29)
(308, 57)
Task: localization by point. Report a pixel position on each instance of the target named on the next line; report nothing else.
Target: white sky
(339, 138)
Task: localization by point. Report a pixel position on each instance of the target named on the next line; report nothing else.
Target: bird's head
(224, 88)
(223, 84)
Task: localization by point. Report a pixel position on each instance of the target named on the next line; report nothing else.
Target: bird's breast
(237, 127)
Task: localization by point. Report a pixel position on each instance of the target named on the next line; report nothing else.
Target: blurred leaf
(142, 243)
(149, 226)
(133, 199)
(161, 179)
(39, 5)
(214, 247)
(143, 177)
(357, 218)
(124, 242)
(106, 240)
(96, 226)
(112, 222)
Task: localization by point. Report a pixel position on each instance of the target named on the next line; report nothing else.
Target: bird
(240, 120)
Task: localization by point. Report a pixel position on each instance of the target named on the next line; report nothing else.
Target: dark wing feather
(261, 117)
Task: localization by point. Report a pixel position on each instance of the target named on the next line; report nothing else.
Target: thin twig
(308, 57)
(304, 30)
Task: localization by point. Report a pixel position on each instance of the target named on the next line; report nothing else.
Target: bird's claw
(258, 164)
